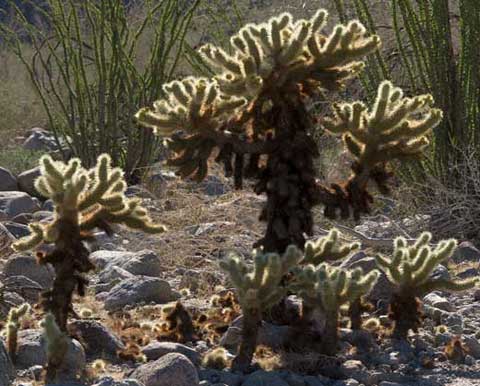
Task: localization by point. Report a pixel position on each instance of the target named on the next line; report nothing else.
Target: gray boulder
(156, 350)
(32, 352)
(466, 252)
(97, 340)
(7, 371)
(16, 229)
(146, 263)
(26, 181)
(221, 376)
(23, 286)
(139, 289)
(21, 265)
(40, 140)
(171, 369)
(14, 203)
(109, 278)
(8, 182)
(109, 381)
(261, 378)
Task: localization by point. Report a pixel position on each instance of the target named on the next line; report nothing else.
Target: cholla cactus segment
(15, 316)
(396, 127)
(259, 287)
(330, 287)
(193, 105)
(87, 198)
(410, 271)
(282, 50)
(410, 267)
(328, 248)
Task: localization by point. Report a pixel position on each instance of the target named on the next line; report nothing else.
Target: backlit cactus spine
(329, 288)
(258, 289)
(409, 270)
(256, 112)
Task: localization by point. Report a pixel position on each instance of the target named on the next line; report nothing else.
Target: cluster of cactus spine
(84, 200)
(410, 271)
(329, 288)
(328, 248)
(254, 111)
(258, 289)
(14, 320)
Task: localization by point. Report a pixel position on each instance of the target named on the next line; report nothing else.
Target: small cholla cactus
(255, 112)
(328, 288)
(409, 270)
(14, 320)
(258, 289)
(83, 200)
(57, 343)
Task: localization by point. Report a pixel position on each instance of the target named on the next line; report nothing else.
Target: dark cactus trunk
(252, 318)
(405, 311)
(330, 335)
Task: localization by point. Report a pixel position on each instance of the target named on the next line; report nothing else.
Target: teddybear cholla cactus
(255, 111)
(14, 320)
(83, 200)
(410, 271)
(258, 289)
(57, 343)
(328, 288)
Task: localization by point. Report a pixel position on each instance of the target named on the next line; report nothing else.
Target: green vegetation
(409, 270)
(14, 320)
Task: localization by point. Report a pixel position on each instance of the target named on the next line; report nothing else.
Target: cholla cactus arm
(395, 128)
(14, 319)
(258, 288)
(328, 248)
(410, 270)
(83, 200)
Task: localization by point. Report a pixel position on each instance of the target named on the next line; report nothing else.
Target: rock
(42, 216)
(261, 378)
(7, 371)
(156, 350)
(26, 181)
(146, 263)
(8, 182)
(20, 265)
(473, 346)
(23, 218)
(10, 300)
(139, 289)
(213, 186)
(109, 278)
(16, 229)
(311, 380)
(23, 286)
(269, 335)
(97, 340)
(14, 203)
(5, 234)
(171, 369)
(466, 252)
(219, 376)
(469, 272)
(32, 352)
(454, 322)
(109, 381)
(40, 140)
(437, 301)
(48, 205)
